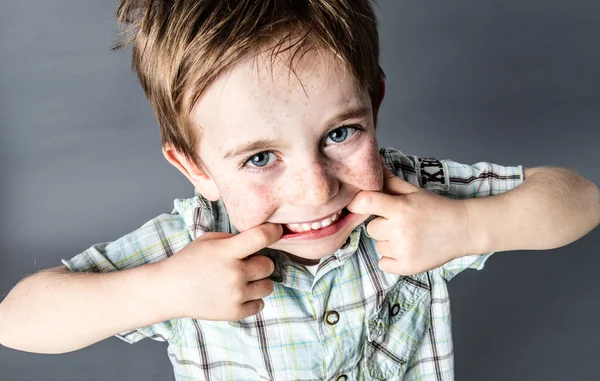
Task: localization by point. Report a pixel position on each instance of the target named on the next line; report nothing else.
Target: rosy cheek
(366, 171)
(249, 205)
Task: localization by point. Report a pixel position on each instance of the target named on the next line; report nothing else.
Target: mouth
(317, 229)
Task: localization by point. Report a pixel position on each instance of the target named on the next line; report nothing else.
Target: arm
(56, 311)
(551, 208)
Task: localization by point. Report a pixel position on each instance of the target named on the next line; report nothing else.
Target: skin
(311, 170)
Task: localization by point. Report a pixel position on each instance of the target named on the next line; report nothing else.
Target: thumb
(253, 240)
(214, 235)
(395, 185)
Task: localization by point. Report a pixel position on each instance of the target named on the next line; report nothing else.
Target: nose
(313, 184)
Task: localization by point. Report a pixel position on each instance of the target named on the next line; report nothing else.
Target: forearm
(58, 311)
(550, 209)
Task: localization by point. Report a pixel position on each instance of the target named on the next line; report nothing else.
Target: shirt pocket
(396, 329)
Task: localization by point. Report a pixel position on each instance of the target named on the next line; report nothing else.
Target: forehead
(261, 93)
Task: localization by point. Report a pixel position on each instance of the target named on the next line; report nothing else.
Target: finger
(372, 202)
(388, 177)
(383, 248)
(389, 265)
(259, 289)
(394, 266)
(254, 239)
(250, 308)
(378, 229)
(258, 267)
(214, 235)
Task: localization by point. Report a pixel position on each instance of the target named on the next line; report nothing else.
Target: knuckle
(231, 276)
(236, 297)
(370, 229)
(238, 269)
(266, 287)
(249, 268)
(358, 202)
(238, 294)
(261, 237)
(268, 264)
(270, 287)
(238, 314)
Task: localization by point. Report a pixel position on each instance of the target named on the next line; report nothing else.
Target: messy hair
(180, 47)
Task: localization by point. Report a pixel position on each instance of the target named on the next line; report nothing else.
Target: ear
(199, 177)
(380, 95)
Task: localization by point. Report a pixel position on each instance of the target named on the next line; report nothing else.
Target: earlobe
(199, 177)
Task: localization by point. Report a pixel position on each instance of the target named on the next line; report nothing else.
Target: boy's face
(287, 148)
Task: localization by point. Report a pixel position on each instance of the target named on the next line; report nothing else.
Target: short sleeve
(457, 181)
(155, 241)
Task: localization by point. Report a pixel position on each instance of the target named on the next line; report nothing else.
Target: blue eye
(339, 135)
(261, 159)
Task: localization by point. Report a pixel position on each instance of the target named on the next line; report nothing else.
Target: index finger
(254, 239)
(372, 202)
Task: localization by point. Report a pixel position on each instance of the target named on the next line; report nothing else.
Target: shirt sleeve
(155, 241)
(457, 181)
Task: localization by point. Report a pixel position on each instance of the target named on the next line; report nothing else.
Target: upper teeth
(314, 225)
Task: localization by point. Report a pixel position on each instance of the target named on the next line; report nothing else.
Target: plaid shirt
(350, 321)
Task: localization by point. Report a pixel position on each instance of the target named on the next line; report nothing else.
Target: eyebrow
(266, 144)
(258, 145)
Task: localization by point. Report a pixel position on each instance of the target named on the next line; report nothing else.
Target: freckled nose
(313, 185)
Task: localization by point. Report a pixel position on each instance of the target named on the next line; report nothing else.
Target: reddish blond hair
(181, 46)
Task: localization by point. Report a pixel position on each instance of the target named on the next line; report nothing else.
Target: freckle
(348, 172)
(297, 177)
(353, 175)
(254, 188)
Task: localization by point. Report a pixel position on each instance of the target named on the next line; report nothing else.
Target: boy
(270, 111)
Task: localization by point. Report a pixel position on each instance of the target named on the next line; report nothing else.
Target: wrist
(164, 286)
(479, 238)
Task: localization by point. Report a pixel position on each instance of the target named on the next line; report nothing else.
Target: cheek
(365, 171)
(249, 205)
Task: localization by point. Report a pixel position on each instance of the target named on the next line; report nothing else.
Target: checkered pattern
(350, 321)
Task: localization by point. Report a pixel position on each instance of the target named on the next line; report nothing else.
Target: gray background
(510, 82)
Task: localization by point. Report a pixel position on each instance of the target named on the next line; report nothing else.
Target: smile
(318, 228)
(315, 225)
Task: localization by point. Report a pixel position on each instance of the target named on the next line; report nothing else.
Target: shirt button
(343, 377)
(395, 309)
(332, 317)
(346, 244)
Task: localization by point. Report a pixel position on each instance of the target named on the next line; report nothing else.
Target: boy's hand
(215, 277)
(417, 230)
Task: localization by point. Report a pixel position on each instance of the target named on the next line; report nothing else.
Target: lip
(320, 233)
